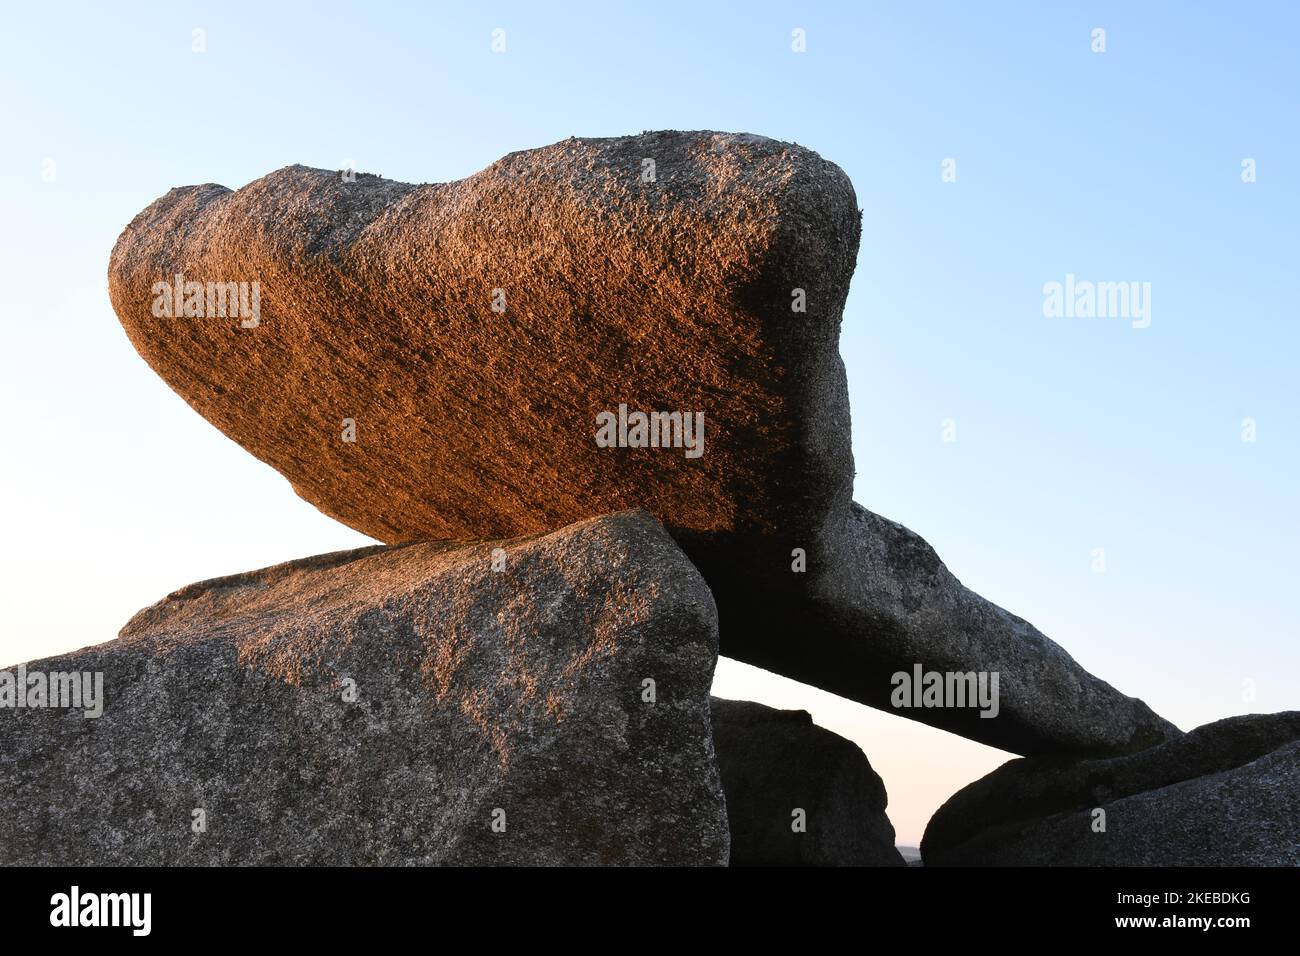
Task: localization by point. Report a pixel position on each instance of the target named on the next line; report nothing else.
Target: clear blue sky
(1072, 434)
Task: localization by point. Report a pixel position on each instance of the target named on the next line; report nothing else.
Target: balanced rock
(797, 794)
(640, 322)
(536, 701)
(1226, 794)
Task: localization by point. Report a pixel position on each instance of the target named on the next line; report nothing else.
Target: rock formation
(591, 400)
(648, 321)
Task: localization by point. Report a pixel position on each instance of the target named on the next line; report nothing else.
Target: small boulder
(797, 794)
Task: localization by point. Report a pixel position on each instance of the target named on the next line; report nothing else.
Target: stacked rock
(591, 400)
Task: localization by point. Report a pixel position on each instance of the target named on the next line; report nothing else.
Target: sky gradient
(1072, 434)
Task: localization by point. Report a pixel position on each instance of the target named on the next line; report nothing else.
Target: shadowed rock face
(774, 762)
(1227, 793)
(675, 293)
(472, 690)
(887, 603)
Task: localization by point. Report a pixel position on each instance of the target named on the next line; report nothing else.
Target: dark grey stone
(879, 603)
(777, 762)
(1227, 793)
